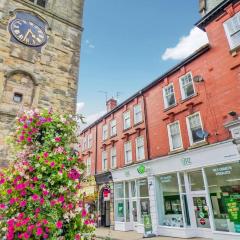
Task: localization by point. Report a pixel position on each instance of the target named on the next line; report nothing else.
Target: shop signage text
(222, 170)
(186, 161)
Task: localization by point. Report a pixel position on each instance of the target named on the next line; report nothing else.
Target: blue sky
(126, 44)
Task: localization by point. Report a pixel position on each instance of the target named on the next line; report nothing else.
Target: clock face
(28, 33)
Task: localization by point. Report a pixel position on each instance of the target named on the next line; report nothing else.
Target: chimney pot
(111, 104)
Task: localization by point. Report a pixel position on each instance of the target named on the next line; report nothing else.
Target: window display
(224, 190)
(170, 210)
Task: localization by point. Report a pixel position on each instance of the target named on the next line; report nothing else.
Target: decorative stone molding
(234, 128)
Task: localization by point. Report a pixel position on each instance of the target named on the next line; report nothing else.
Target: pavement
(108, 234)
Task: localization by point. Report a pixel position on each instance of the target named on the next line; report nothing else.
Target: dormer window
(41, 3)
(232, 29)
(17, 97)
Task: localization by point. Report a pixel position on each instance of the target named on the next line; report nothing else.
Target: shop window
(140, 155)
(186, 86)
(137, 114)
(113, 157)
(143, 198)
(128, 152)
(169, 96)
(113, 128)
(196, 181)
(195, 129)
(174, 136)
(17, 97)
(126, 120)
(224, 190)
(232, 29)
(169, 201)
(104, 132)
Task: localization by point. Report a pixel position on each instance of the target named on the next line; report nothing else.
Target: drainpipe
(146, 125)
(96, 147)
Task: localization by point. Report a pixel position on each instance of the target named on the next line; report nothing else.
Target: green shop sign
(141, 169)
(233, 210)
(120, 209)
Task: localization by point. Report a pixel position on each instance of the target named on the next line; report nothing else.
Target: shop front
(192, 194)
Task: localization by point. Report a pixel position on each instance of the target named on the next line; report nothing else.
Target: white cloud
(89, 44)
(93, 117)
(80, 106)
(186, 45)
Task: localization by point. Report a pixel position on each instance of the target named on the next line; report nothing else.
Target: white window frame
(233, 19)
(189, 128)
(137, 147)
(85, 143)
(113, 154)
(113, 125)
(137, 109)
(89, 140)
(127, 161)
(165, 96)
(104, 157)
(104, 132)
(88, 166)
(181, 86)
(170, 136)
(126, 116)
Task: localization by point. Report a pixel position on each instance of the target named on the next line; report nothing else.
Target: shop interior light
(233, 180)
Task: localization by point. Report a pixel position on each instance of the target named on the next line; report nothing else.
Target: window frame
(112, 134)
(166, 106)
(184, 97)
(189, 129)
(35, 2)
(137, 147)
(227, 31)
(89, 141)
(135, 113)
(111, 153)
(170, 135)
(124, 120)
(104, 157)
(104, 129)
(125, 152)
(88, 170)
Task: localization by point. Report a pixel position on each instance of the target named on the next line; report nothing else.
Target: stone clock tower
(39, 58)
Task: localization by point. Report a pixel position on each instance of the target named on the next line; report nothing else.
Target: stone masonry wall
(54, 70)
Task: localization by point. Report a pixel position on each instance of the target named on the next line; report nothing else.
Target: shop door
(201, 211)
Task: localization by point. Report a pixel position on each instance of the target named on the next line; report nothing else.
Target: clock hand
(26, 35)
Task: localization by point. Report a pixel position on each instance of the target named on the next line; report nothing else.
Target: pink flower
(12, 201)
(2, 206)
(2, 181)
(57, 139)
(21, 138)
(45, 154)
(26, 235)
(9, 191)
(45, 221)
(35, 197)
(59, 224)
(39, 231)
(23, 203)
(45, 192)
(29, 139)
(78, 237)
(61, 199)
(52, 164)
(37, 210)
(84, 213)
(74, 174)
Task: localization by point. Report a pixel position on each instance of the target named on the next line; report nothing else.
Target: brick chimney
(205, 6)
(111, 104)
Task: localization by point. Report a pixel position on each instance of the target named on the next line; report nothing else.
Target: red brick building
(167, 152)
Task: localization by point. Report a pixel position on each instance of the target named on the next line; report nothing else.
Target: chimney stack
(205, 6)
(111, 104)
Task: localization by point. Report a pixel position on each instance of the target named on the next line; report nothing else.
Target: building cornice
(49, 14)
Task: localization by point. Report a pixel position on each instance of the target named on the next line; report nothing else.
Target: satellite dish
(202, 133)
(198, 78)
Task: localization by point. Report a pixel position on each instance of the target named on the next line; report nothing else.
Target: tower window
(41, 3)
(17, 97)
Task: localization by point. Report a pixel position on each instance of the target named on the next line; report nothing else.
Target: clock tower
(39, 58)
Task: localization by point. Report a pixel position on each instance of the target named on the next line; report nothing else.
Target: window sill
(188, 98)
(198, 144)
(128, 164)
(141, 160)
(176, 151)
(136, 124)
(127, 129)
(234, 51)
(170, 107)
(113, 136)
